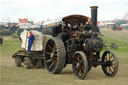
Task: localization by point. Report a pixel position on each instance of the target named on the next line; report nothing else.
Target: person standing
(31, 38)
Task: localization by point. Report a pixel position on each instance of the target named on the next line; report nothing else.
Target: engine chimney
(94, 15)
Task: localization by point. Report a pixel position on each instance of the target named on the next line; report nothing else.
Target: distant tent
(25, 20)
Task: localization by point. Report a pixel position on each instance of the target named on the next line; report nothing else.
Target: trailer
(33, 59)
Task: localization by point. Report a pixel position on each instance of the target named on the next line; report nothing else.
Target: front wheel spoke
(106, 69)
(106, 58)
(112, 66)
(113, 60)
(110, 70)
(111, 57)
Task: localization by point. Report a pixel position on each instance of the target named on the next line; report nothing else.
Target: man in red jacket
(31, 38)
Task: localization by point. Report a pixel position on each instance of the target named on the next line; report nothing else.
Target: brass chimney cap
(94, 7)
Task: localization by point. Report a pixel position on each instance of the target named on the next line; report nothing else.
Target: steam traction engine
(76, 41)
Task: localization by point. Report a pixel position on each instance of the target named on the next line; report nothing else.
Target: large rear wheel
(80, 65)
(54, 55)
(110, 67)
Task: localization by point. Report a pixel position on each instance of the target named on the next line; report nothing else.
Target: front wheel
(110, 66)
(80, 65)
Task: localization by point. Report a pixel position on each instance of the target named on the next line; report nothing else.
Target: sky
(38, 10)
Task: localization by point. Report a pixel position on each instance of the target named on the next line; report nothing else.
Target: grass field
(12, 75)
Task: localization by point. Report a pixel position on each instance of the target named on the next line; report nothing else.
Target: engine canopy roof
(71, 19)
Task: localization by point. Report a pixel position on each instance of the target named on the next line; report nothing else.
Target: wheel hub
(108, 63)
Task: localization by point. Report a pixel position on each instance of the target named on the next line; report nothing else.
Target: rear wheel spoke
(51, 65)
(50, 48)
(52, 43)
(49, 60)
(48, 53)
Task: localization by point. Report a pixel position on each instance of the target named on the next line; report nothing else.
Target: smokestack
(94, 15)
